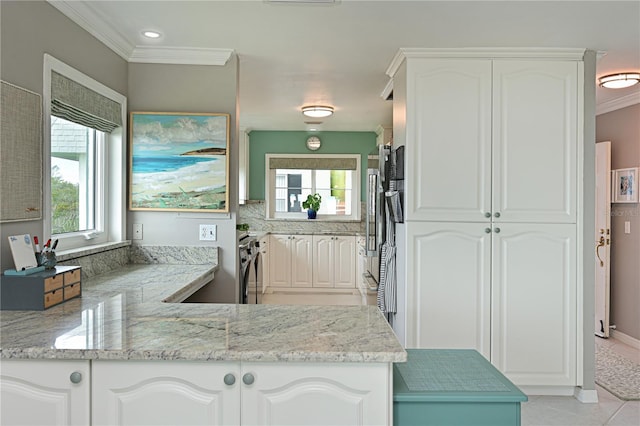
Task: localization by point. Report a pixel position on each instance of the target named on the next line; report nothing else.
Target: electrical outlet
(208, 232)
(137, 231)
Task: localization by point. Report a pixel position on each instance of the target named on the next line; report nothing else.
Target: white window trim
(114, 221)
(269, 190)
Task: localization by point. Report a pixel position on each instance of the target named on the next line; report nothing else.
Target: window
(290, 178)
(84, 151)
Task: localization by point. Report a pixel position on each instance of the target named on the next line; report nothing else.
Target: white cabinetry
(137, 393)
(234, 393)
(290, 260)
(47, 392)
(492, 146)
(334, 261)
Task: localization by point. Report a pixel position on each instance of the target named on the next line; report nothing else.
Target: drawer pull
(76, 377)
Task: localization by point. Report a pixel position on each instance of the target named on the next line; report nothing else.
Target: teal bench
(447, 387)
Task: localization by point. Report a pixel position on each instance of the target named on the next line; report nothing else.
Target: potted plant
(312, 204)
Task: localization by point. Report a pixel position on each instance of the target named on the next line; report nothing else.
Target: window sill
(304, 219)
(89, 250)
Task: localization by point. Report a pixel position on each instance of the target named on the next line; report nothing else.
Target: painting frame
(624, 185)
(179, 161)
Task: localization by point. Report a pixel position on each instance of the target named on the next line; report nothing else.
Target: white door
(280, 261)
(323, 261)
(301, 261)
(130, 393)
(535, 141)
(345, 262)
(534, 303)
(301, 393)
(449, 299)
(36, 392)
(449, 119)
(602, 237)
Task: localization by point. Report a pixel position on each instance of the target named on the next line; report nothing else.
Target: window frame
(110, 213)
(270, 190)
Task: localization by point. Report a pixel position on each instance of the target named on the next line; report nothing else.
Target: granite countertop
(125, 314)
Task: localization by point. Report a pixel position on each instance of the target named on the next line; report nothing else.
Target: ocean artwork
(179, 162)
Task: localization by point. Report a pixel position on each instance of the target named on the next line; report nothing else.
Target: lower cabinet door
(316, 394)
(45, 392)
(139, 393)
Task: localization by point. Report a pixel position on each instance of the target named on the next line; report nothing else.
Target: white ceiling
(337, 54)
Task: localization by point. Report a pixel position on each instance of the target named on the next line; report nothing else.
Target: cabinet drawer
(72, 276)
(53, 283)
(72, 290)
(53, 298)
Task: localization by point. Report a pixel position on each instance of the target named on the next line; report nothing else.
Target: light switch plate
(137, 231)
(627, 227)
(208, 232)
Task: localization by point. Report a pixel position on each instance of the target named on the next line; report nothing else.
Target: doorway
(602, 238)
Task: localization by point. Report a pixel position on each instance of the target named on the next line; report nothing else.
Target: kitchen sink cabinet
(290, 260)
(334, 260)
(45, 392)
(240, 393)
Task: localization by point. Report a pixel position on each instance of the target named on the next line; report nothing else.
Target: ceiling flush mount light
(151, 34)
(317, 111)
(620, 81)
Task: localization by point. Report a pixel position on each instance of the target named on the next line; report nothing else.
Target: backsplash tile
(176, 255)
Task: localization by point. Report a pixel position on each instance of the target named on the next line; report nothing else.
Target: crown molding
(98, 26)
(618, 103)
(180, 55)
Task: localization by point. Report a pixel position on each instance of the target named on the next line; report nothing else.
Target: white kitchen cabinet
(201, 393)
(290, 260)
(137, 393)
(506, 290)
(334, 260)
(317, 394)
(493, 142)
(45, 392)
(491, 138)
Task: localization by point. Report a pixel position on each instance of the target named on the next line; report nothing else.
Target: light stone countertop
(122, 315)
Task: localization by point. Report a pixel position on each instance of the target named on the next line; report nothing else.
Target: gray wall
(622, 128)
(191, 88)
(28, 30)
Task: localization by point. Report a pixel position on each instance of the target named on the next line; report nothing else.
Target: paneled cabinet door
(323, 258)
(301, 261)
(169, 393)
(534, 303)
(280, 260)
(45, 392)
(448, 159)
(316, 394)
(535, 141)
(449, 301)
(345, 262)
(334, 260)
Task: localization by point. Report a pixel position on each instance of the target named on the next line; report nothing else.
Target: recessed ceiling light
(151, 34)
(620, 81)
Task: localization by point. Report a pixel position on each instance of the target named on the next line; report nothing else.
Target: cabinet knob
(248, 379)
(497, 230)
(487, 230)
(496, 214)
(487, 214)
(75, 377)
(229, 379)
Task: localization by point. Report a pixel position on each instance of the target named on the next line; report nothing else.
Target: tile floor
(539, 410)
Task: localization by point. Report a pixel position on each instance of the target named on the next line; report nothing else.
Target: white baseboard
(626, 339)
(548, 390)
(586, 396)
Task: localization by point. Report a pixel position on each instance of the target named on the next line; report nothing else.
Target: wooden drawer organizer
(41, 290)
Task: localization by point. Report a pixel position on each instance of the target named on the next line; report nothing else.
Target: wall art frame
(179, 161)
(624, 185)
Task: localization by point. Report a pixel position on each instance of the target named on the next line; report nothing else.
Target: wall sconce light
(317, 111)
(620, 81)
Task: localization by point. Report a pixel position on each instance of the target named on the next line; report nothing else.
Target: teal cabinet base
(453, 387)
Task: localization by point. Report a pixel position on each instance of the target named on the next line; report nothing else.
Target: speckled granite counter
(121, 315)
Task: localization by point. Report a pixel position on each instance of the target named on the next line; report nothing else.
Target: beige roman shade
(74, 102)
(315, 163)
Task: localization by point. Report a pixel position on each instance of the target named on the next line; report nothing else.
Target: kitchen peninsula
(122, 354)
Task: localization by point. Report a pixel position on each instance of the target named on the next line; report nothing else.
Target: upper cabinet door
(448, 150)
(534, 141)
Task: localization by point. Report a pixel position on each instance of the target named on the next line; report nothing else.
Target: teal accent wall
(263, 142)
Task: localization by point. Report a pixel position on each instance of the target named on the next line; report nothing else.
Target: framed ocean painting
(179, 161)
